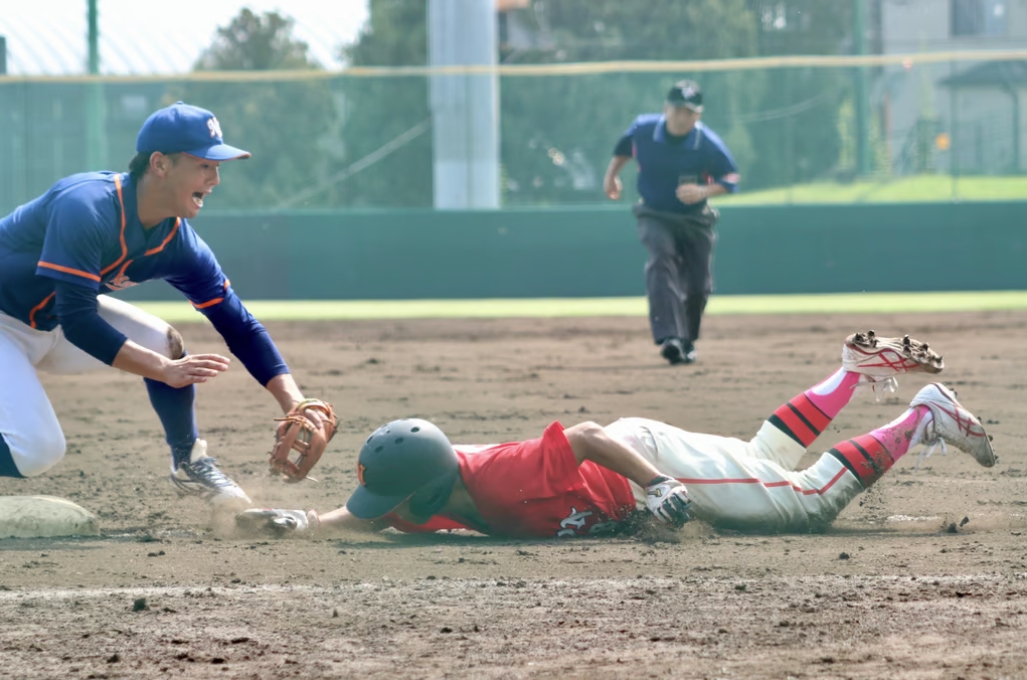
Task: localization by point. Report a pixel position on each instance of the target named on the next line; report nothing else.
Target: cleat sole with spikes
(880, 357)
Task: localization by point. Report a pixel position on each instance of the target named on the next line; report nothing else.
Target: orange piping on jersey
(174, 230)
(211, 303)
(151, 251)
(208, 303)
(32, 314)
(124, 246)
(68, 270)
(121, 272)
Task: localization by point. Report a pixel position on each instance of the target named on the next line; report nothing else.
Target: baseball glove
(298, 443)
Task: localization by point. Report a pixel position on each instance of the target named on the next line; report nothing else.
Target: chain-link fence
(362, 137)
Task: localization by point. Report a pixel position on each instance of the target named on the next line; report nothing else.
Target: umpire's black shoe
(678, 351)
(690, 355)
(673, 350)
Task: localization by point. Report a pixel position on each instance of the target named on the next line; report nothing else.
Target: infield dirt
(924, 576)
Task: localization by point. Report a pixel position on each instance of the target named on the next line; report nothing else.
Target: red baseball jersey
(536, 488)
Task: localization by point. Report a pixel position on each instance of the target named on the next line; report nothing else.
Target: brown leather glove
(298, 443)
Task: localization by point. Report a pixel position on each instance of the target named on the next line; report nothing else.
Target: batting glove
(276, 520)
(668, 499)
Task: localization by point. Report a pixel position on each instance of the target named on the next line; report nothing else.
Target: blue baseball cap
(183, 128)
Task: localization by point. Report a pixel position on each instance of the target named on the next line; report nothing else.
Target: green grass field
(325, 310)
(889, 190)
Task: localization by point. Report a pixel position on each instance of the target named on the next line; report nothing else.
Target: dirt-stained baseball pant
(744, 485)
(27, 420)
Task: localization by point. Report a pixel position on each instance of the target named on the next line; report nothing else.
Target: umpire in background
(681, 163)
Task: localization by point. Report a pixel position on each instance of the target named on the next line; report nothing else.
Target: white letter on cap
(215, 128)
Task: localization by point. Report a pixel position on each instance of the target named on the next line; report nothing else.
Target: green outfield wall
(594, 251)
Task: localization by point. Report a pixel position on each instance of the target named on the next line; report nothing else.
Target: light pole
(863, 164)
(96, 142)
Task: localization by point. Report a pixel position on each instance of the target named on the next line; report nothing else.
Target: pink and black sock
(871, 455)
(805, 416)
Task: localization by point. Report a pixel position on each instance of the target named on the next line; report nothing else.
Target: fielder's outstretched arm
(187, 370)
(78, 310)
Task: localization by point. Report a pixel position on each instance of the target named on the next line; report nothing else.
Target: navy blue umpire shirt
(666, 161)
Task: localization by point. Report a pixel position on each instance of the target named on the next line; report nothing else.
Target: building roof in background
(990, 73)
(140, 37)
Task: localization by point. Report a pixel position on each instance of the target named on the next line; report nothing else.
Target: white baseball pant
(27, 420)
(743, 485)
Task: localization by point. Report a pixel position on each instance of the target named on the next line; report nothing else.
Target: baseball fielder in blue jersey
(681, 164)
(101, 231)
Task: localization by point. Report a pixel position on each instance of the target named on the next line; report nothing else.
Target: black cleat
(676, 351)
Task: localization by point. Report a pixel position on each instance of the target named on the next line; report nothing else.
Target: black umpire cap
(399, 460)
(685, 93)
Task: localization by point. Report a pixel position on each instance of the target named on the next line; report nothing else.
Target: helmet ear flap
(430, 498)
(405, 461)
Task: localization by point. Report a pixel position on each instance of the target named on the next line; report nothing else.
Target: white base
(44, 517)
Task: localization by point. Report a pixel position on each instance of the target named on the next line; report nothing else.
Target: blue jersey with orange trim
(665, 161)
(85, 230)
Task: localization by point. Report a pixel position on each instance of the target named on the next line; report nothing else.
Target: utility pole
(96, 139)
(859, 30)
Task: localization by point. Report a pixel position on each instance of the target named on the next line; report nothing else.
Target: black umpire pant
(679, 273)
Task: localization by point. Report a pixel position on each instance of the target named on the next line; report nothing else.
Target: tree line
(318, 143)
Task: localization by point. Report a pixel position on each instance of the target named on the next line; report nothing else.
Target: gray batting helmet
(409, 458)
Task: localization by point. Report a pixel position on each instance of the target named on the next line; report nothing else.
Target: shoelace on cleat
(878, 387)
(932, 442)
(206, 469)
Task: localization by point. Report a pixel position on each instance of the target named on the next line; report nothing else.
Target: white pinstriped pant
(743, 485)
